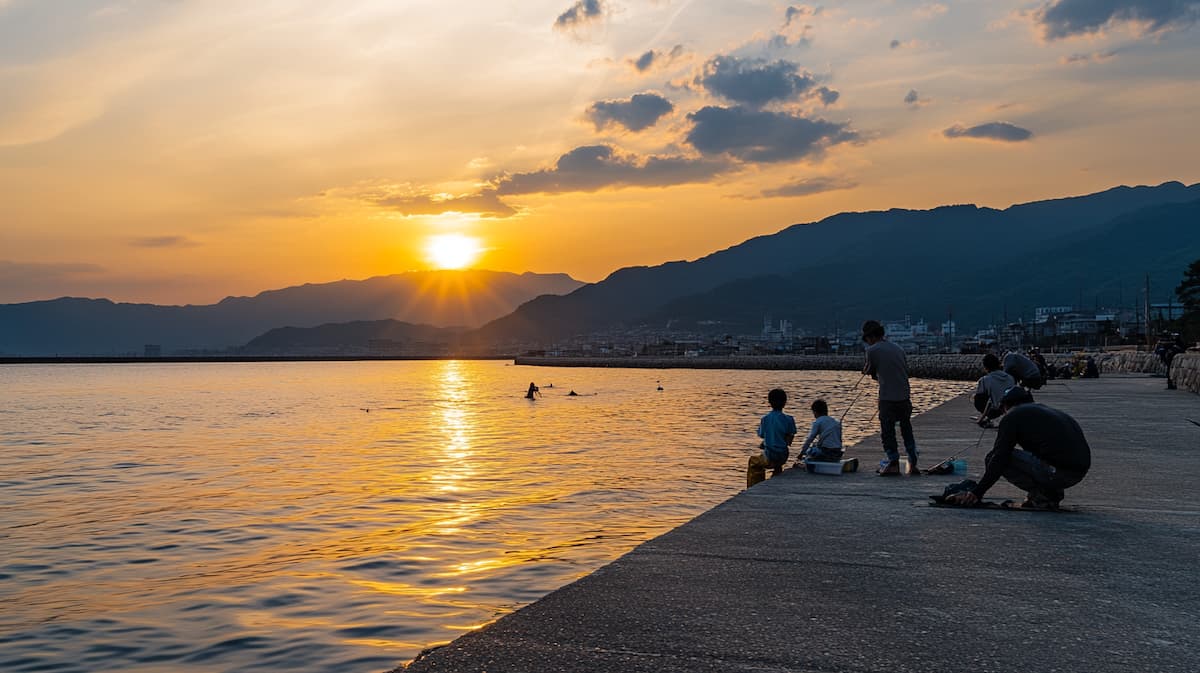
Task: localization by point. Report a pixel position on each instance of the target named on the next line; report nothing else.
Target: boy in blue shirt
(777, 430)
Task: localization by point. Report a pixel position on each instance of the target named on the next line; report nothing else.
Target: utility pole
(1147, 311)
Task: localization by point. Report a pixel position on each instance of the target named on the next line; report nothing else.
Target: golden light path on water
(345, 516)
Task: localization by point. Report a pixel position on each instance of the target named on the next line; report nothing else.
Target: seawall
(854, 573)
(1185, 371)
(952, 367)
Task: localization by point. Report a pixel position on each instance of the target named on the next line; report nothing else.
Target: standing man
(1053, 457)
(886, 363)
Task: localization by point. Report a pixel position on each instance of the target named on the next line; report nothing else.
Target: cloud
(593, 167)
(641, 111)
(580, 14)
(913, 99)
(163, 242)
(653, 59)
(486, 202)
(1001, 131)
(807, 187)
(1068, 18)
(799, 13)
(763, 136)
(1094, 57)
(895, 44)
(27, 280)
(756, 82)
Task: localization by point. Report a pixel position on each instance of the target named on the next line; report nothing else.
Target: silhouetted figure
(532, 392)
(572, 394)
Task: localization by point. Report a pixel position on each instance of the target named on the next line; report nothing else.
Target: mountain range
(79, 326)
(976, 263)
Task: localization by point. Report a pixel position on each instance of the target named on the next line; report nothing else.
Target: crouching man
(1053, 457)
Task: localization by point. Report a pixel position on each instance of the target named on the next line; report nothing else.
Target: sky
(179, 151)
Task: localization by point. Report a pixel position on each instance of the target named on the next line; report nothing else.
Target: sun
(452, 251)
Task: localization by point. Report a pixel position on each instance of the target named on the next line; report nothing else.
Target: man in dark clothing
(1054, 454)
(1023, 370)
(886, 363)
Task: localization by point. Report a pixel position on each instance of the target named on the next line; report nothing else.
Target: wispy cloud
(999, 131)
(808, 187)
(654, 59)
(163, 242)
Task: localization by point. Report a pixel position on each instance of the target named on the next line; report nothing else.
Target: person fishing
(1053, 455)
(989, 390)
(1024, 371)
(777, 431)
(533, 390)
(824, 441)
(886, 364)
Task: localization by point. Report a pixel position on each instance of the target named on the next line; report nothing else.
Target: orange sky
(180, 152)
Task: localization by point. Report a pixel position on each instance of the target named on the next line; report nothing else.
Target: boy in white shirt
(824, 441)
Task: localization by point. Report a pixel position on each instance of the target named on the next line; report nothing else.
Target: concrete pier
(856, 573)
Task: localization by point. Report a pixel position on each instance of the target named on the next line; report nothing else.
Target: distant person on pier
(1035, 354)
(990, 389)
(1053, 457)
(887, 364)
(533, 390)
(1024, 371)
(777, 430)
(824, 441)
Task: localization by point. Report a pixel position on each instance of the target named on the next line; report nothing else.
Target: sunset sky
(178, 151)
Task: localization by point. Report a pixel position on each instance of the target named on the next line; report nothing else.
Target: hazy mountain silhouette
(352, 337)
(883, 263)
(99, 326)
(1106, 266)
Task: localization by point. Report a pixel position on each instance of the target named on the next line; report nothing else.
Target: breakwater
(947, 367)
(1185, 371)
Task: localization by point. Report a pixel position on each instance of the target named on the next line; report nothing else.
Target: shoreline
(169, 359)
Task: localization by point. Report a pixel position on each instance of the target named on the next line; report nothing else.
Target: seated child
(777, 430)
(824, 441)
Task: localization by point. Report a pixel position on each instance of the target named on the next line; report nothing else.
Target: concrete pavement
(856, 573)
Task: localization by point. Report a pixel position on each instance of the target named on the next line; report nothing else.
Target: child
(777, 430)
(827, 433)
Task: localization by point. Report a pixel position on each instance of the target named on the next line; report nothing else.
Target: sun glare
(452, 251)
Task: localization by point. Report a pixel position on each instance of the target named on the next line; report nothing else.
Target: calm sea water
(242, 517)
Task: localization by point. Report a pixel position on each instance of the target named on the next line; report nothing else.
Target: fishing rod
(1195, 423)
(860, 394)
(951, 459)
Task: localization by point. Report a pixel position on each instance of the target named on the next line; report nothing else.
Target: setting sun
(452, 251)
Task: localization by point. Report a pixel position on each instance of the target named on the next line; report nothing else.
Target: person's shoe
(889, 468)
(985, 422)
(851, 465)
(1037, 500)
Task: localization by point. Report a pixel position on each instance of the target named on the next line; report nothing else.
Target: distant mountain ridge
(881, 263)
(101, 327)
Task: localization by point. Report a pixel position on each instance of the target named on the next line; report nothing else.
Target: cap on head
(1014, 396)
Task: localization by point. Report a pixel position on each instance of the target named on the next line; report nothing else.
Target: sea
(320, 516)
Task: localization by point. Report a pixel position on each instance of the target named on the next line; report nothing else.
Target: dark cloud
(581, 13)
(808, 187)
(800, 12)
(641, 111)
(759, 135)
(895, 44)
(912, 97)
(1002, 131)
(653, 59)
(163, 242)
(486, 202)
(756, 82)
(593, 167)
(1067, 18)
